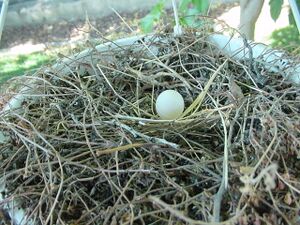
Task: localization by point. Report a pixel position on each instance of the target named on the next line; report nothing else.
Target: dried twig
(87, 146)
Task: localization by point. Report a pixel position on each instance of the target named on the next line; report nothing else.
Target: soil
(65, 31)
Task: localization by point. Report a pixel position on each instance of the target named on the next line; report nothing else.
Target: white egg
(169, 105)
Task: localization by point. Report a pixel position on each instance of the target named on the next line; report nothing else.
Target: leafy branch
(187, 11)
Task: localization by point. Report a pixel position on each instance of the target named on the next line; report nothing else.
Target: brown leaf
(280, 185)
(246, 170)
(288, 199)
(235, 90)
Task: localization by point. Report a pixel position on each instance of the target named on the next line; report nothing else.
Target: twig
(180, 215)
(224, 182)
(146, 137)
(198, 101)
(177, 28)
(118, 149)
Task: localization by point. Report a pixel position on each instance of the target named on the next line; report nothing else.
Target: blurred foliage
(11, 66)
(286, 38)
(187, 10)
(153, 17)
(291, 16)
(275, 10)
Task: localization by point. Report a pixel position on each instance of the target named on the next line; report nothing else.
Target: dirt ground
(65, 31)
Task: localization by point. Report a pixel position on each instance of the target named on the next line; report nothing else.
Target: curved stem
(296, 13)
(177, 27)
(175, 13)
(3, 15)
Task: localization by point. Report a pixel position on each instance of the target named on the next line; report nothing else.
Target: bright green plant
(287, 38)
(153, 17)
(275, 10)
(11, 66)
(187, 10)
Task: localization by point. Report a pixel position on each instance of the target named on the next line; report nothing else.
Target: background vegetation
(286, 38)
(11, 66)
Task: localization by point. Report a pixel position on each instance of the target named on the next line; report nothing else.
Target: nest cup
(84, 145)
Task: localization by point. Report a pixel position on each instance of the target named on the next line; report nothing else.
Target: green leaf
(201, 5)
(184, 5)
(148, 21)
(158, 9)
(190, 18)
(275, 8)
(286, 38)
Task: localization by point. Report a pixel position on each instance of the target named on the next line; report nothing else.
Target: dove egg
(169, 105)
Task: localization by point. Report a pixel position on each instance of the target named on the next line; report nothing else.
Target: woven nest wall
(87, 146)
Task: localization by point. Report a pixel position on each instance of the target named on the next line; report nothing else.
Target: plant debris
(87, 147)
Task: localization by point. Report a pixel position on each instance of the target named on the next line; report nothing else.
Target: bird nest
(87, 147)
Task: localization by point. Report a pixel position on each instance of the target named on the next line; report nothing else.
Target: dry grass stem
(87, 147)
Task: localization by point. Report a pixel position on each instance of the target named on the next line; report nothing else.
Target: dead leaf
(247, 170)
(235, 90)
(288, 199)
(280, 185)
